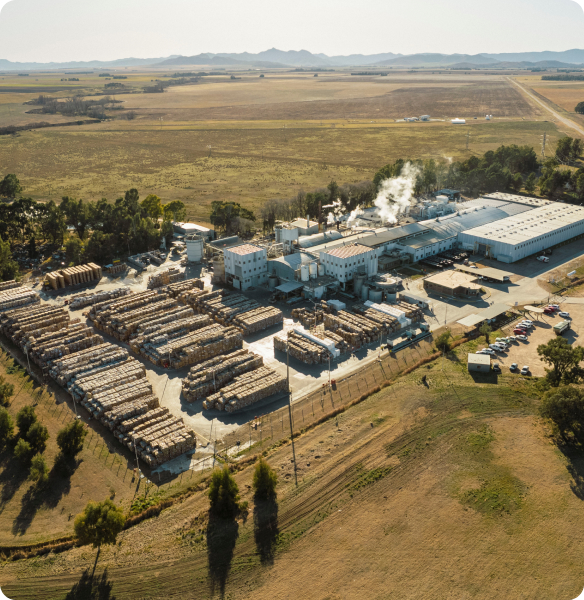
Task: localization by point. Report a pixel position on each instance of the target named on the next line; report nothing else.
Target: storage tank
(195, 248)
(375, 295)
(219, 268)
(364, 292)
(358, 281)
(304, 273)
(313, 270)
(320, 270)
(272, 281)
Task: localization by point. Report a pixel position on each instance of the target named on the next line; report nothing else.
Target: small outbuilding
(479, 363)
(452, 283)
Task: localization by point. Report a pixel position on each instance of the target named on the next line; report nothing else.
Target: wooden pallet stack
(247, 389)
(166, 277)
(84, 300)
(259, 319)
(354, 329)
(17, 297)
(213, 374)
(74, 275)
(198, 298)
(308, 317)
(301, 348)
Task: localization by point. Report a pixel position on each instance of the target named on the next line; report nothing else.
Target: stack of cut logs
(84, 300)
(301, 348)
(211, 375)
(171, 275)
(46, 333)
(385, 322)
(354, 329)
(174, 290)
(14, 295)
(412, 311)
(247, 389)
(308, 317)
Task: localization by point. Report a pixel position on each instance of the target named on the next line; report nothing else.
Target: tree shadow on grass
(12, 476)
(265, 529)
(90, 587)
(222, 535)
(575, 467)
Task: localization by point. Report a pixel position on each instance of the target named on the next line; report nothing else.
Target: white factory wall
(510, 252)
(249, 269)
(343, 269)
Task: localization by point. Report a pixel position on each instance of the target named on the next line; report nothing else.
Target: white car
(556, 306)
(514, 367)
(486, 351)
(527, 325)
(522, 338)
(566, 315)
(525, 370)
(512, 338)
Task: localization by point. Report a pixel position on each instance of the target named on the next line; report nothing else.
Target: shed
(479, 363)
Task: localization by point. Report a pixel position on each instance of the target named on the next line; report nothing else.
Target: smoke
(353, 217)
(336, 212)
(396, 195)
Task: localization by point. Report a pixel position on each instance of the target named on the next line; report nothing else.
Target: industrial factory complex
(304, 260)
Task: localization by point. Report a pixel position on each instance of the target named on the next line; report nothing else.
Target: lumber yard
(13, 295)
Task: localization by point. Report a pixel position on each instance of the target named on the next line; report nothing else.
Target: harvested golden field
(566, 95)
(249, 163)
(450, 489)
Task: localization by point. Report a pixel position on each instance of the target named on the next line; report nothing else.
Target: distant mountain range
(275, 58)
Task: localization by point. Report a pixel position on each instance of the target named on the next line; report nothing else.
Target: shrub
(265, 480)
(99, 523)
(223, 493)
(25, 418)
(37, 437)
(443, 342)
(23, 451)
(70, 438)
(6, 427)
(6, 391)
(564, 406)
(39, 472)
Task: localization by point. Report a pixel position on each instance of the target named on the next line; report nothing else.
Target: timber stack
(14, 295)
(308, 317)
(84, 300)
(259, 319)
(412, 311)
(211, 375)
(301, 348)
(385, 322)
(171, 275)
(247, 389)
(354, 329)
(174, 290)
(74, 275)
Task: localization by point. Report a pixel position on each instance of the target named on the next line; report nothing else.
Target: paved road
(567, 122)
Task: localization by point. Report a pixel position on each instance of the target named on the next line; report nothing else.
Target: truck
(561, 327)
(543, 259)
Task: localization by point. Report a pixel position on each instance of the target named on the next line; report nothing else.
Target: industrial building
(192, 228)
(245, 266)
(342, 263)
(452, 283)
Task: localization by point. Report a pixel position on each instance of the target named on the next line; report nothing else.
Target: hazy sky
(60, 30)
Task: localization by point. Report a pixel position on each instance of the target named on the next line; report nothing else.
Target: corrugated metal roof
(346, 251)
(293, 260)
(288, 287)
(245, 249)
(302, 224)
(432, 237)
(479, 359)
(308, 241)
(396, 233)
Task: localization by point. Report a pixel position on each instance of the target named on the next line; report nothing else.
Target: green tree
(6, 391)
(265, 480)
(70, 438)
(564, 406)
(101, 247)
(23, 451)
(10, 186)
(32, 247)
(223, 493)
(153, 206)
(564, 359)
(580, 108)
(37, 437)
(166, 231)
(8, 267)
(577, 147)
(53, 223)
(530, 183)
(39, 472)
(74, 248)
(175, 211)
(99, 524)
(77, 214)
(564, 149)
(485, 330)
(6, 427)
(517, 182)
(25, 419)
(443, 341)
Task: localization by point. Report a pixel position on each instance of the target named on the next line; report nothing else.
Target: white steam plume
(396, 195)
(337, 212)
(354, 216)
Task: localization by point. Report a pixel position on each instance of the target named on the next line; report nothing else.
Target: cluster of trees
(74, 106)
(103, 229)
(231, 217)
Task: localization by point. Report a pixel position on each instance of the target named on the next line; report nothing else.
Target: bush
(223, 494)
(37, 437)
(23, 451)
(443, 342)
(70, 438)
(39, 472)
(265, 480)
(6, 427)
(564, 407)
(25, 418)
(6, 391)
(99, 523)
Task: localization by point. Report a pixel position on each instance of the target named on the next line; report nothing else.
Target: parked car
(519, 331)
(514, 367)
(512, 338)
(496, 368)
(549, 311)
(526, 325)
(487, 351)
(525, 370)
(564, 314)
(523, 338)
(556, 306)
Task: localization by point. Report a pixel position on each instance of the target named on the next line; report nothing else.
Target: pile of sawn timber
(246, 389)
(386, 322)
(171, 275)
(112, 386)
(211, 375)
(14, 295)
(46, 332)
(74, 275)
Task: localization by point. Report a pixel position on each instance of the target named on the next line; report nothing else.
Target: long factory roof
(347, 251)
(531, 224)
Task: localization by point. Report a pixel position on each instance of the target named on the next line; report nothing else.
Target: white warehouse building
(525, 234)
(246, 266)
(342, 262)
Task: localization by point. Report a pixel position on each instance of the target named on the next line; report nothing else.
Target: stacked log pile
(84, 300)
(301, 348)
(225, 306)
(340, 343)
(8, 285)
(174, 290)
(171, 275)
(209, 376)
(412, 311)
(17, 296)
(117, 268)
(385, 322)
(257, 320)
(308, 317)
(247, 389)
(197, 298)
(74, 275)
(354, 329)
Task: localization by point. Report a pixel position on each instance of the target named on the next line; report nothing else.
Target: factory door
(482, 249)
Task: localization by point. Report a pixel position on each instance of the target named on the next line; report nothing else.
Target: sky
(64, 30)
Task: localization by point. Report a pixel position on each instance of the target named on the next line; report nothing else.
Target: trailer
(561, 327)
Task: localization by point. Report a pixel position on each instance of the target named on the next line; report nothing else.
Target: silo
(272, 281)
(304, 273)
(313, 270)
(358, 281)
(195, 246)
(219, 267)
(364, 292)
(321, 271)
(375, 295)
